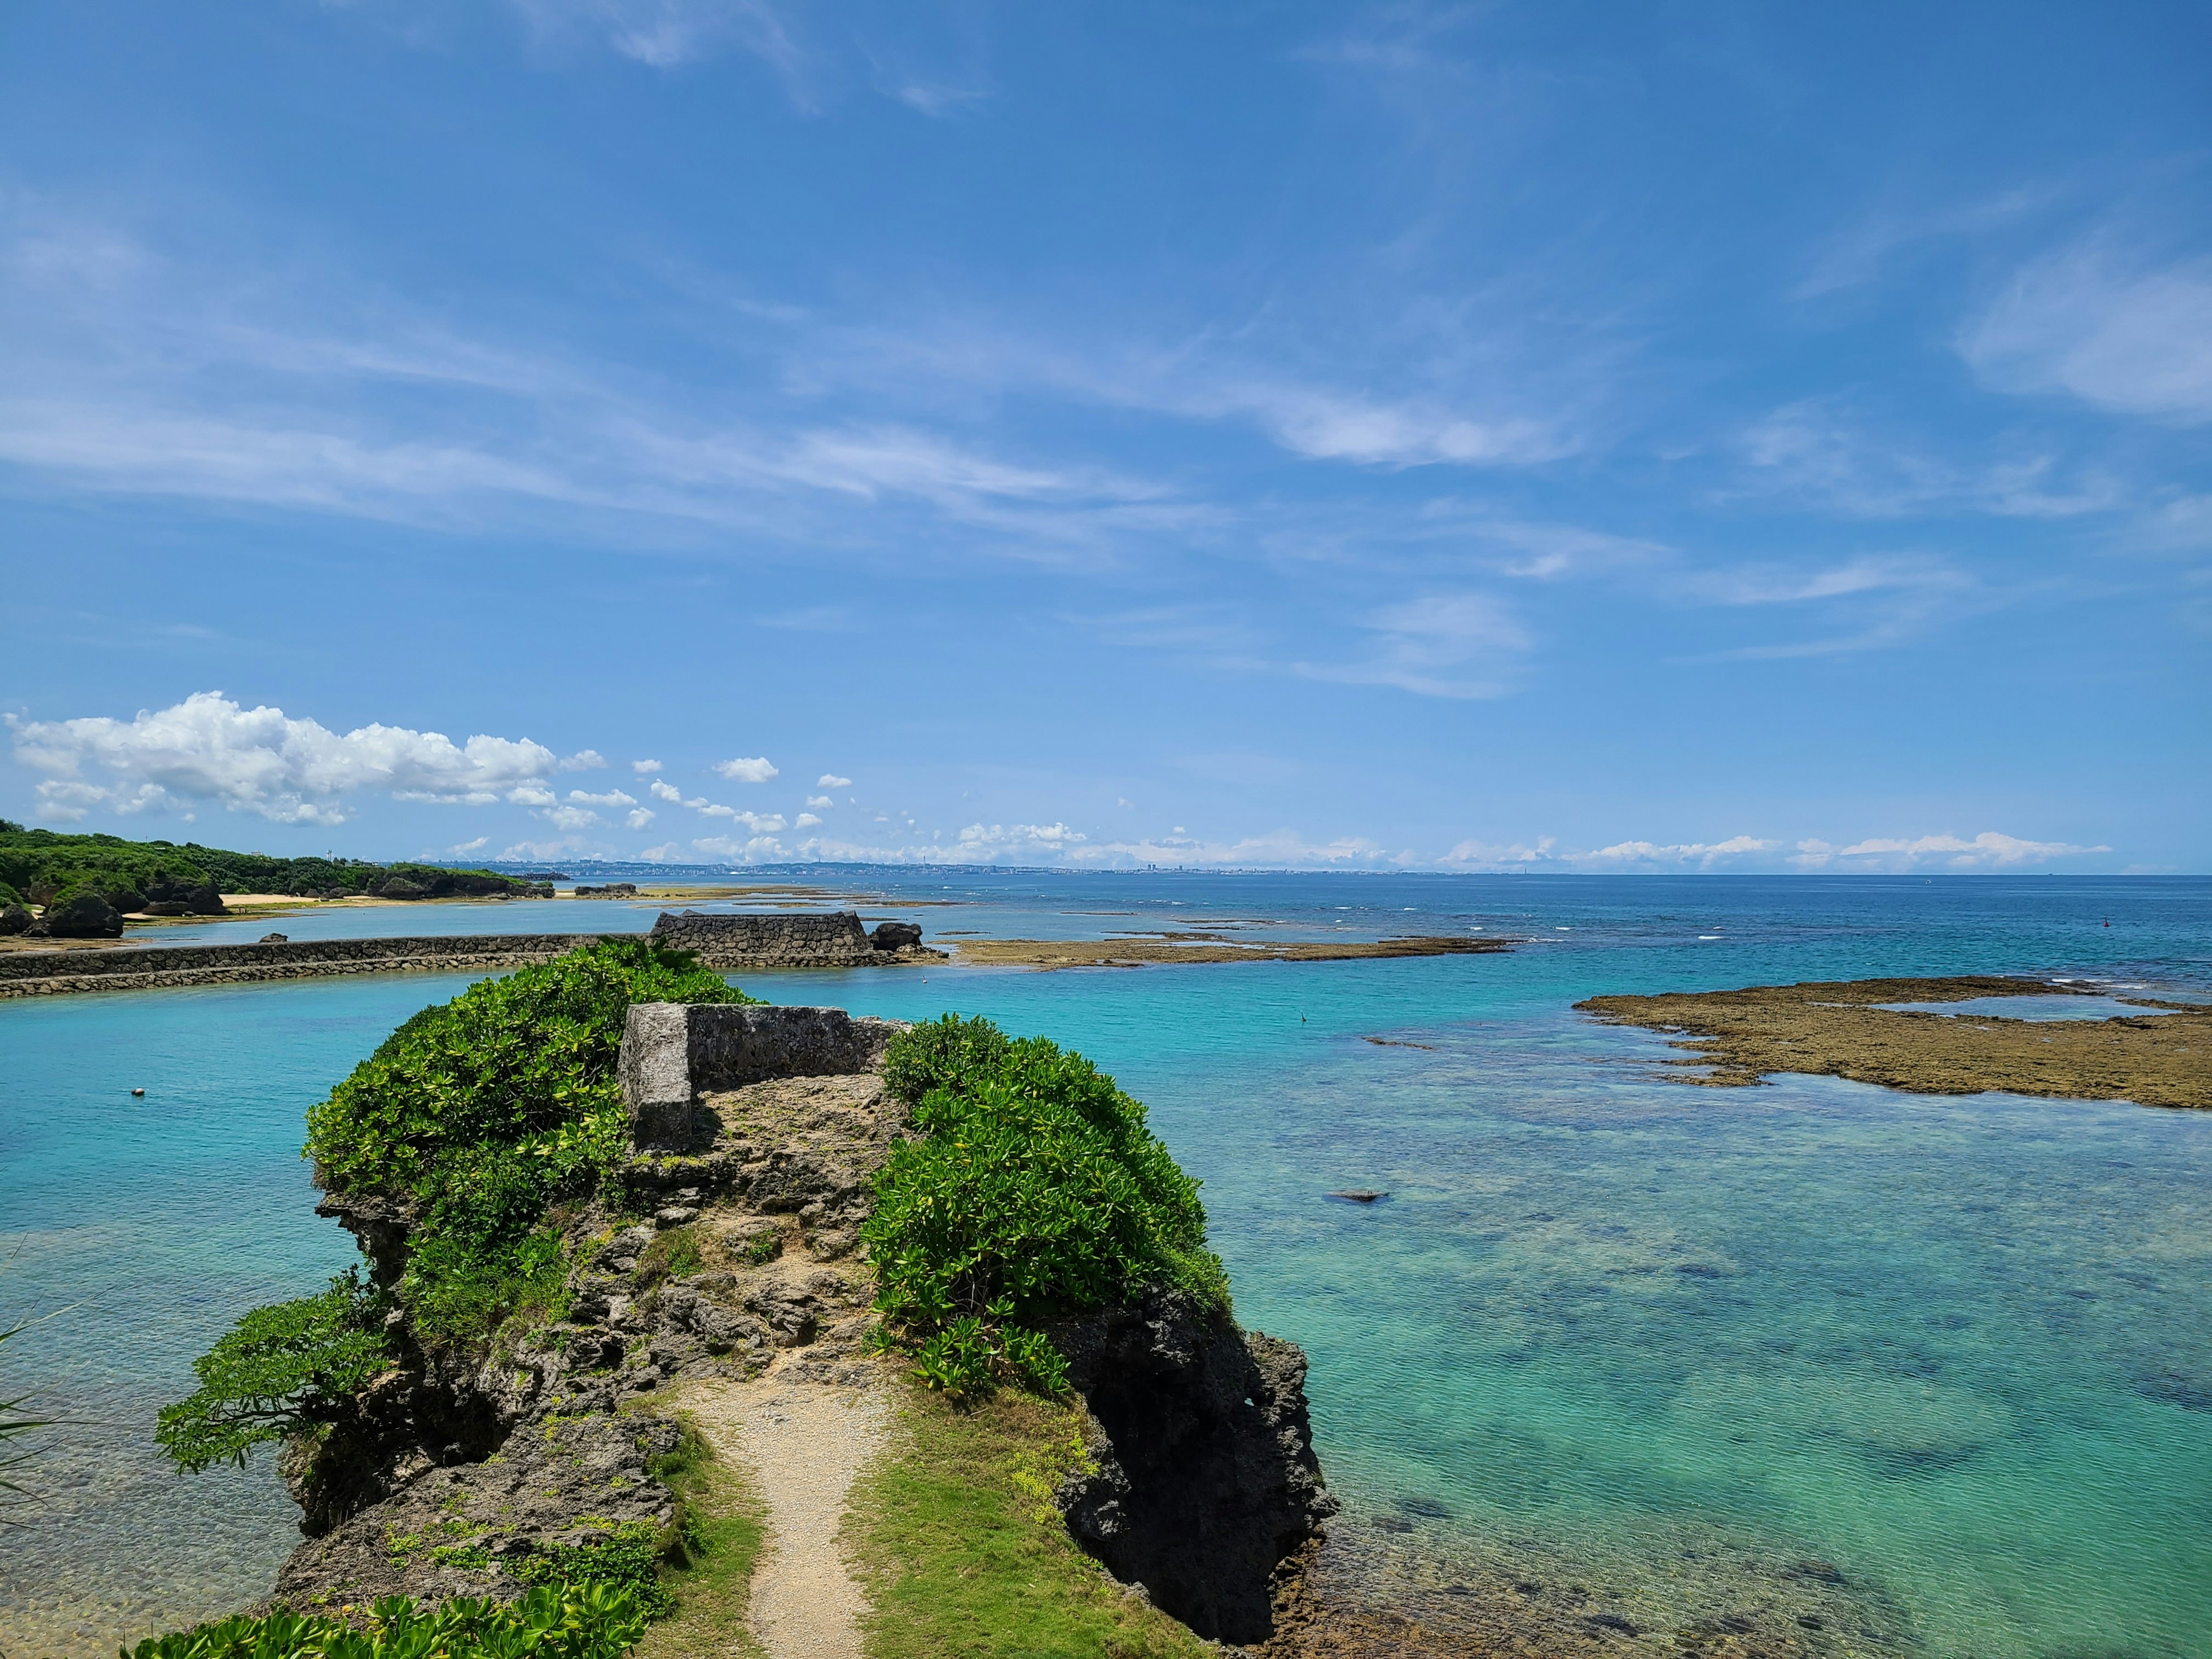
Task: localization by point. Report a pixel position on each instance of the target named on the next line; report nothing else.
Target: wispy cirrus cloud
(1444, 645)
(2098, 322)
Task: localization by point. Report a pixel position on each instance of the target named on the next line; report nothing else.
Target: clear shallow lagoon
(1670, 1344)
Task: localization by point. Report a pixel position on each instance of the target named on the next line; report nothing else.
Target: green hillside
(39, 867)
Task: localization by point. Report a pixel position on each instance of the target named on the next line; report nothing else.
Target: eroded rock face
(87, 915)
(1209, 1484)
(13, 919)
(448, 1475)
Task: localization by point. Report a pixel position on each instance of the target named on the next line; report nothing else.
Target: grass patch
(710, 1573)
(961, 1552)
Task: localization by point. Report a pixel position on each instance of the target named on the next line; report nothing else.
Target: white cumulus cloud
(831, 780)
(259, 760)
(640, 818)
(612, 798)
(819, 800)
(583, 760)
(747, 770)
(643, 766)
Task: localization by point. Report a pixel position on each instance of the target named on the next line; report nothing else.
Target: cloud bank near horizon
(209, 752)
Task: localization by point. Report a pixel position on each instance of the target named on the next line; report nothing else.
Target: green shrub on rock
(563, 1621)
(280, 1372)
(482, 1114)
(474, 1118)
(1036, 1190)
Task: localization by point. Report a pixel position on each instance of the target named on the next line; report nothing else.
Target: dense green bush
(1035, 1189)
(483, 1114)
(564, 1621)
(279, 1371)
(477, 1117)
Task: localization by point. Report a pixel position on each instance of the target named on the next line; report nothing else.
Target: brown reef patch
(1835, 1029)
(1137, 953)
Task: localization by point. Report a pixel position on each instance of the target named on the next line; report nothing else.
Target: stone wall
(133, 967)
(725, 942)
(782, 939)
(673, 1052)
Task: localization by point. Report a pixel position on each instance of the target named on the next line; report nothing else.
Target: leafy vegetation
(482, 1114)
(1035, 1189)
(556, 1621)
(279, 1371)
(45, 867)
(964, 1553)
(479, 1117)
(628, 1559)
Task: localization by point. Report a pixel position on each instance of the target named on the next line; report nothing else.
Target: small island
(1852, 1029)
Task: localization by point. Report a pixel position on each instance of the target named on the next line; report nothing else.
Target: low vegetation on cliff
(574, 1621)
(528, 1263)
(474, 1120)
(1035, 1191)
(41, 866)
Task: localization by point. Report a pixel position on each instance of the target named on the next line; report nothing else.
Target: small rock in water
(276, 938)
(139, 1093)
(1360, 1196)
(1611, 1621)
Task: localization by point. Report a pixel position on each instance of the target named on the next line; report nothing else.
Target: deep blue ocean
(1935, 1371)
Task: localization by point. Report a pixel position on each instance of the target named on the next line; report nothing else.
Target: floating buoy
(140, 1092)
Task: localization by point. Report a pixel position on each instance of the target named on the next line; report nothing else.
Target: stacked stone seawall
(727, 943)
(135, 968)
(791, 940)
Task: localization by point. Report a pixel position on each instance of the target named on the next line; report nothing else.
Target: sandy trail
(803, 1442)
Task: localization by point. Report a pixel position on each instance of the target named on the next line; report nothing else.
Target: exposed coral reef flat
(1137, 953)
(2162, 1057)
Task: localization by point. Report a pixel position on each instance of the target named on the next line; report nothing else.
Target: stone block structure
(789, 939)
(673, 1052)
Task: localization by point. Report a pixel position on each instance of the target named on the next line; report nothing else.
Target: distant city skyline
(1563, 438)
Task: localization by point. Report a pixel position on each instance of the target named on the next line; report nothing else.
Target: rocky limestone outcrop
(736, 1240)
(13, 919)
(83, 916)
(1207, 1482)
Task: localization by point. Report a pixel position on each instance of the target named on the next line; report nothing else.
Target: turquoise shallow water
(1671, 1345)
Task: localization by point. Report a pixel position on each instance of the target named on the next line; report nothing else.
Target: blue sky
(1581, 437)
